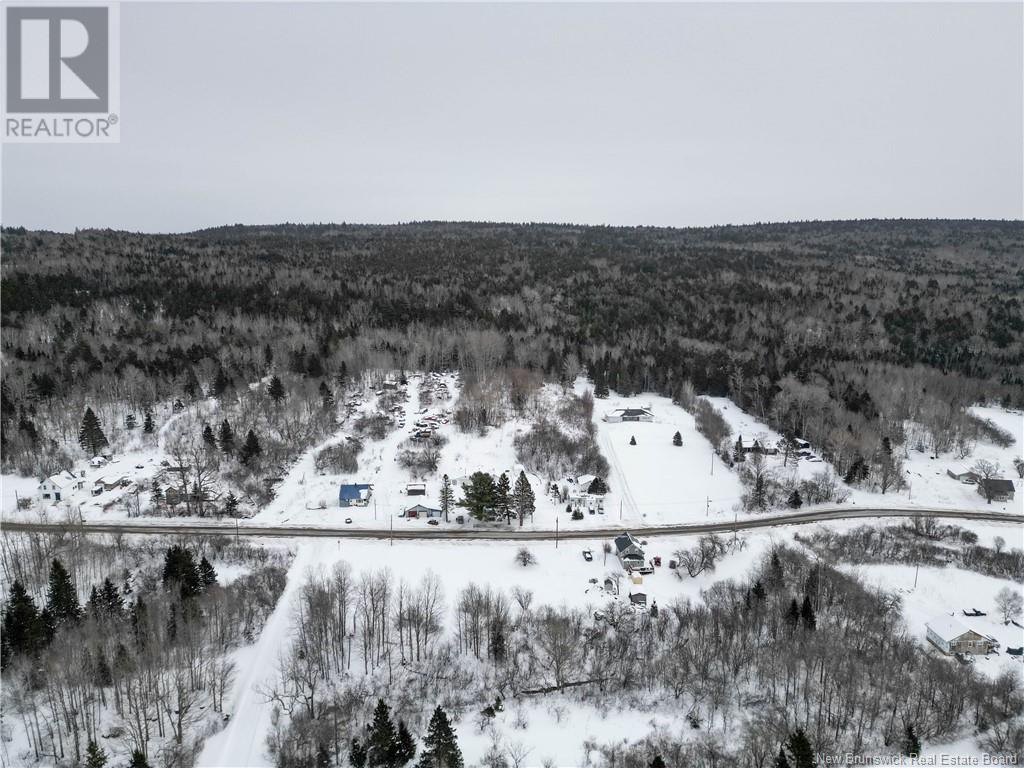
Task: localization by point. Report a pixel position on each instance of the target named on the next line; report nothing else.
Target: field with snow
(555, 726)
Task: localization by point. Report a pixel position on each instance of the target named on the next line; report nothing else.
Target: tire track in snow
(242, 742)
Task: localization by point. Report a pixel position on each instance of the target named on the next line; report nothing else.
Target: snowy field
(555, 728)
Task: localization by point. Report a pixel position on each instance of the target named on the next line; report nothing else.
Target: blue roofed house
(354, 494)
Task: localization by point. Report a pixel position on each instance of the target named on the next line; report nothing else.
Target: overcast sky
(592, 113)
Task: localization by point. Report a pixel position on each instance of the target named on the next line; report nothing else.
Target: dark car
(588, 555)
(432, 522)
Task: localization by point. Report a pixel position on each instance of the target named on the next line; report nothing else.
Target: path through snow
(243, 742)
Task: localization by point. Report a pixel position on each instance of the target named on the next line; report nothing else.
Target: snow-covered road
(243, 741)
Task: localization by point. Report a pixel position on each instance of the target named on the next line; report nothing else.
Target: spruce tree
(95, 757)
(208, 438)
(792, 614)
(90, 435)
(503, 497)
(326, 397)
(226, 438)
(357, 754)
(381, 739)
(737, 452)
(911, 746)
(138, 760)
(61, 595)
(795, 502)
(598, 486)
(677, 439)
(440, 748)
(810, 621)
(180, 570)
(207, 573)
(478, 496)
(251, 449)
(782, 761)
(800, 749)
(447, 497)
(632, 439)
(405, 745)
(110, 602)
(275, 390)
(147, 424)
(22, 629)
(523, 498)
(231, 504)
(657, 762)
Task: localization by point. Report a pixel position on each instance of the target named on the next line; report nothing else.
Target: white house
(97, 462)
(628, 414)
(950, 636)
(60, 487)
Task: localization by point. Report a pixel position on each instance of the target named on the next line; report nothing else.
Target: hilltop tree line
(835, 331)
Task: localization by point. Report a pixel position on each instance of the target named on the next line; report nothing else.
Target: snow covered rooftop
(946, 627)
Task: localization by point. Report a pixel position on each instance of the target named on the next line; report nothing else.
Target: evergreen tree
(807, 616)
(95, 757)
(657, 762)
(759, 591)
(61, 595)
(800, 749)
(357, 754)
(632, 439)
(911, 746)
(103, 677)
(440, 748)
(208, 438)
(405, 745)
(22, 628)
(180, 570)
(503, 498)
(251, 449)
(381, 739)
(677, 439)
(782, 761)
(523, 498)
(598, 486)
(130, 422)
(792, 615)
(106, 601)
(775, 572)
(90, 435)
(207, 573)
(795, 502)
(226, 438)
(447, 497)
(737, 452)
(221, 383)
(147, 424)
(478, 496)
(326, 397)
(275, 390)
(231, 505)
(138, 760)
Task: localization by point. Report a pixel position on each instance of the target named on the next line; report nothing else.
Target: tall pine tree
(440, 748)
(61, 595)
(90, 435)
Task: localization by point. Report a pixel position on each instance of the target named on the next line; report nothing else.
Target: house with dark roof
(421, 510)
(628, 550)
(628, 414)
(996, 488)
(354, 494)
(638, 598)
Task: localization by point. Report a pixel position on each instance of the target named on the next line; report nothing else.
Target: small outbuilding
(420, 510)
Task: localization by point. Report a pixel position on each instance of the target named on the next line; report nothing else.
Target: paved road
(803, 517)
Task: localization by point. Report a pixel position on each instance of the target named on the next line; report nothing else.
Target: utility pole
(391, 535)
(916, 570)
(707, 510)
(620, 509)
(712, 462)
(556, 533)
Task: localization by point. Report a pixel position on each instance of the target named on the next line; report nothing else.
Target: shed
(638, 598)
(420, 510)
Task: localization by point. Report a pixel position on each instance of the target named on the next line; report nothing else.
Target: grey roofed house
(421, 510)
(629, 414)
(638, 598)
(996, 487)
(963, 475)
(628, 548)
(950, 636)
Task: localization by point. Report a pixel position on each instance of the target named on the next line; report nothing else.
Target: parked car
(657, 561)
(139, 466)
(588, 555)
(348, 521)
(432, 522)
(460, 519)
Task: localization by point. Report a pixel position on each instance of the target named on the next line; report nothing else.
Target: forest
(843, 333)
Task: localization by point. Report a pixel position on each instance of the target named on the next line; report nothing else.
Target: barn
(950, 636)
(628, 414)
